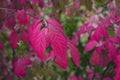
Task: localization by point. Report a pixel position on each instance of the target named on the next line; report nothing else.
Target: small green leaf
(111, 32)
(22, 48)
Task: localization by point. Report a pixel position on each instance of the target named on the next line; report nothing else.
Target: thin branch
(7, 9)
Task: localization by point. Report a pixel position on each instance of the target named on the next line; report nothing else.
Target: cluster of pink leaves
(4, 65)
(104, 45)
(41, 37)
(52, 35)
(89, 77)
(20, 64)
(16, 19)
(14, 39)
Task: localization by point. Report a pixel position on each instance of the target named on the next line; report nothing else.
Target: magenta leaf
(100, 49)
(24, 35)
(55, 23)
(37, 39)
(96, 35)
(95, 58)
(38, 2)
(20, 66)
(118, 31)
(99, 33)
(103, 30)
(9, 19)
(58, 44)
(89, 29)
(113, 51)
(100, 59)
(1, 46)
(27, 61)
(41, 3)
(75, 39)
(41, 38)
(23, 2)
(117, 60)
(23, 19)
(117, 73)
(75, 54)
(14, 40)
(115, 40)
(82, 29)
(90, 45)
(34, 2)
(19, 69)
(76, 4)
(73, 77)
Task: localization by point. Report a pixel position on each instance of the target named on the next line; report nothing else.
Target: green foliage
(101, 3)
(22, 48)
(111, 32)
(88, 4)
(70, 25)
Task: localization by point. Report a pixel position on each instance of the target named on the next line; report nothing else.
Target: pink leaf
(38, 2)
(113, 51)
(37, 39)
(100, 49)
(98, 34)
(103, 30)
(27, 61)
(104, 59)
(19, 69)
(91, 73)
(13, 37)
(75, 54)
(118, 32)
(41, 3)
(34, 2)
(55, 23)
(100, 59)
(117, 73)
(89, 29)
(117, 61)
(23, 19)
(76, 4)
(82, 29)
(73, 77)
(90, 45)
(10, 19)
(1, 46)
(58, 44)
(75, 39)
(95, 59)
(20, 66)
(24, 2)
(115, 40)
(24, 35)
